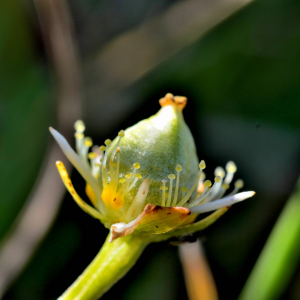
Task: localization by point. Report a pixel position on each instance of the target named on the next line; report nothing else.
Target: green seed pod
(159, 144)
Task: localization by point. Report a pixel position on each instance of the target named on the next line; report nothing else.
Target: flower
(148, 180)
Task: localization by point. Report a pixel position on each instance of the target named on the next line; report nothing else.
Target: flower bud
(159, 144)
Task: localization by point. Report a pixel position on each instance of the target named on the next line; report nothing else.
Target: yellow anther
(128, 175)
(178, 168)
(88, 142)
(231, 167)
(136, 165)
(137, 175)
(121, 133)
(79, 126)
(171, 176)
(115, 164)
(107, 142)
(123, 180)
(225, 186)
(202, 165)
(219, 171)
(164, 188)
(207, 183)
(102, 148)
(169, 95)
(218, 179)
(184, 189)
(92, 155)
(79, 135)
(239, 184)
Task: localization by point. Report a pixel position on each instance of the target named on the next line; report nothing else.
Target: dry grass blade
(198, 278)
(42, 205)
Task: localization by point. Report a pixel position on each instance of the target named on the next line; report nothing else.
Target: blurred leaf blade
(280, 256)
(24, 110)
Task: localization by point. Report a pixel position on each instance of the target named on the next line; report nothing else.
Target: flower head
(148, 180)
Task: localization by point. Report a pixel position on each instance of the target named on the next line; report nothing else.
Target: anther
(219, 171)
(171, 176)
(178, 168)
(136, 165)
(225, 186)
(207, 183)
(239, 184)
(79, 126)
(128, 175)
(102, 148)
(170, 96)
(202, 165)
(231, 167)
(88, 142)
(107, 142)
(79, 135)
(164, 188)
(121, 133)
(137, 175)
(123, 180)
(218, 179)
(92, 155)
(184, 189)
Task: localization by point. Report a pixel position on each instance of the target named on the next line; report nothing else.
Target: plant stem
(112, 262)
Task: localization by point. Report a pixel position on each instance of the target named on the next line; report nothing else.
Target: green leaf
(280, 256)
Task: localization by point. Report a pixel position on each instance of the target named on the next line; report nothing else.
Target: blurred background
(108, 63)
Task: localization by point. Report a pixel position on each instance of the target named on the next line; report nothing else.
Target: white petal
(227, 201)
(118, 230)
(77, 162)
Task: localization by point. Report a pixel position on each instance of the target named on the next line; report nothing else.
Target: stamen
(201, 186)
(231, 169)
(135, 177)
(120, 134)
(219, 171)
(164, 189)
(178, 169)
(188, 195)
(79, 141)
(104, 168)
(171, 177)
(222, 191)
(237, 186)
(227, 201)
(117, 165)
(79, 165)
(138, 203)
(87, 143)
(208, 195)
(79, 126)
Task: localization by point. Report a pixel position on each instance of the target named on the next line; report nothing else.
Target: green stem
(112, 262)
